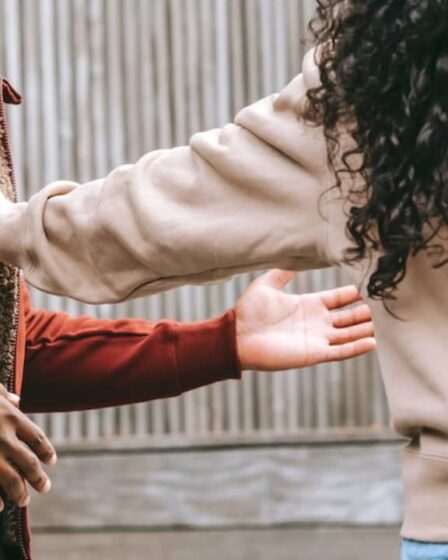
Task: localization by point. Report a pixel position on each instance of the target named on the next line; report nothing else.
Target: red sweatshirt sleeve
(80, 363)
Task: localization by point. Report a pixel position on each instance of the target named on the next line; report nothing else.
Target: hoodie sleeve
(235, 199)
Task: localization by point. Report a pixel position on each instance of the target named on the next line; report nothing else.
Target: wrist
(12, 229)
(206, 352)
(241, 345)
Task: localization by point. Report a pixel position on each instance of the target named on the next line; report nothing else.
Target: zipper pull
(9, 94)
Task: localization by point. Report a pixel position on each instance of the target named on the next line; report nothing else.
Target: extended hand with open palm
(278, 331)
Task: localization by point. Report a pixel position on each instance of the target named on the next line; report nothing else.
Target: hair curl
(384, 74)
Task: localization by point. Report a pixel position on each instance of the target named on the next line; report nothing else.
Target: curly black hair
(384, 73)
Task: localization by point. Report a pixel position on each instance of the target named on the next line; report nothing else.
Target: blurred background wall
(104, 81)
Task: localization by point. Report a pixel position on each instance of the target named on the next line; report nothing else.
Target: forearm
(75, 364)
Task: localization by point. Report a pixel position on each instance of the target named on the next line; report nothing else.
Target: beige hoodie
(246, 197)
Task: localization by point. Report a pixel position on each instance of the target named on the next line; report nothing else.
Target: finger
(36, 440)
(339, 297)
(3, 391)
(351, 334)
(13, 484)
(2, 505)
(30, 466)
(348, 317)
(350, 350)
(276, 278)
(13, 399)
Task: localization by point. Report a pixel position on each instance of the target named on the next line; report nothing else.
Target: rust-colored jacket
(60, 363)
(81, 363)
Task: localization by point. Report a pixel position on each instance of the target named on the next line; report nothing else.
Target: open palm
(278, 331)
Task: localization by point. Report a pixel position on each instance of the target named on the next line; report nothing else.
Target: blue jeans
(415, 550)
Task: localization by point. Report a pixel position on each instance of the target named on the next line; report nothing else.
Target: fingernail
(15, 399)
(26, 502)
(53, 460)
(47, 486)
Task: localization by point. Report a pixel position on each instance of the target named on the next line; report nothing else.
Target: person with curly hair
(347, 166)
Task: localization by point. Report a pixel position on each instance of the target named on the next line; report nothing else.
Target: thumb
(14, 399)
(276, 278)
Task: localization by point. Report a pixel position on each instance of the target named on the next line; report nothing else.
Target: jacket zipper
(11, 381)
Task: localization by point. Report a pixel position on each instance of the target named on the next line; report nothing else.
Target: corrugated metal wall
(106, 80)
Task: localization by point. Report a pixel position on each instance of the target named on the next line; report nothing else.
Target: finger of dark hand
(36, 440)
(14, 399)
(3, 391)
(13, 484)
(30, 467)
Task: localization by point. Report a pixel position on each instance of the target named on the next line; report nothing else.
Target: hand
(23, 446)
(277, 331)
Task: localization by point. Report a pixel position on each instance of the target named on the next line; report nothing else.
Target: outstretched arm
(78, 363)
(239, 198)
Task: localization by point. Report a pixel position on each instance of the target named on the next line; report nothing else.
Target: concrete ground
(273, 544)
